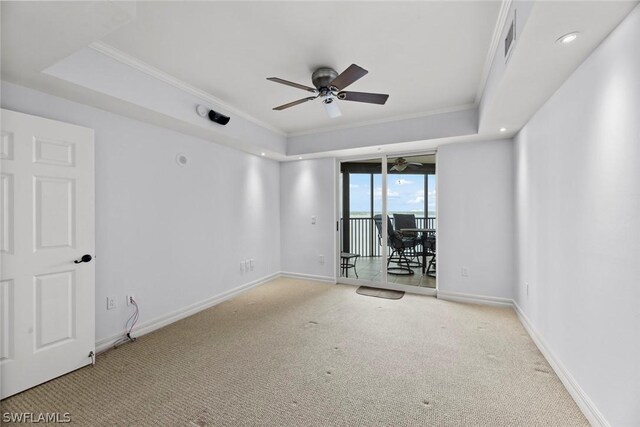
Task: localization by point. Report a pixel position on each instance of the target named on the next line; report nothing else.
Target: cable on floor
(132, 320)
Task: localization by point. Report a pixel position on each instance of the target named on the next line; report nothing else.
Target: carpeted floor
(296, 353)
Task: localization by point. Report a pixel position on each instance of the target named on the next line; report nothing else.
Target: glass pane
(360, 241)
(405, 194)
(411, 209)
(377, 193)
(360, 193)
(432, 196)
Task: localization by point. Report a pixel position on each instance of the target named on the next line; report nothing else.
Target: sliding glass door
(387, 222)
(361, 244)
(411, 207)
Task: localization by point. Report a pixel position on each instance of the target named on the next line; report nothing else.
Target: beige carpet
(295, 353)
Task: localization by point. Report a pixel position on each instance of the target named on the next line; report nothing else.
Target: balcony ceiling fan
(329, 87)
(401, 164)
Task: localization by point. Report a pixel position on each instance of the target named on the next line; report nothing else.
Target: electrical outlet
(314, 219)
(129, 298)
(247, 265)
(251, 263)
(111, 303)
(321, 259)
(464, 272)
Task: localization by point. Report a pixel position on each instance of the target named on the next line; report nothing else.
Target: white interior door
(47, 222)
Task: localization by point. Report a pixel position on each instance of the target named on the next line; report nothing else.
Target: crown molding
(135, 63)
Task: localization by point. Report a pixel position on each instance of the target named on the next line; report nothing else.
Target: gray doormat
(379, 293)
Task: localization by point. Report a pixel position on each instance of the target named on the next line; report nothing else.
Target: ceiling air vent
(510, 38)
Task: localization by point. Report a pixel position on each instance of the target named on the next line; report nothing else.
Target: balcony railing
(363, 235)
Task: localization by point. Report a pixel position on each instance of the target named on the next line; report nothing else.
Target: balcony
(363, 236)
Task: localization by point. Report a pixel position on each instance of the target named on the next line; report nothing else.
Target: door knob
(85, 258)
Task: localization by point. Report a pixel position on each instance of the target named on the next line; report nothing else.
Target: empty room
(320, 213)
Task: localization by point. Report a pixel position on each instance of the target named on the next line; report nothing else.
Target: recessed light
(503, 129)
(263, 154)
(568, 38)
(299, 157)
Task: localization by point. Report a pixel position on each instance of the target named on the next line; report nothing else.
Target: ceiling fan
(401, 164)
(329, 86)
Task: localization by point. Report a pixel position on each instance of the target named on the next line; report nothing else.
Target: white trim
(337, 239)
(586, 405)
(292, 275)
(129, 60)
(159, 322)
(503, 15)
(475, 299)
(397, 118)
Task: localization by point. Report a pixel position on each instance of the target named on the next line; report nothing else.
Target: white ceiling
(427, 55)
(157, 60)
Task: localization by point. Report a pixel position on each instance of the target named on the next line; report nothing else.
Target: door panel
(47, 222)
(6, 145)
(6, 311)
(51, 152)
(6, 213)
(53, 215)
(55, 308)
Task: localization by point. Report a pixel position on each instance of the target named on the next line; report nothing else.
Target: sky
(405, 193)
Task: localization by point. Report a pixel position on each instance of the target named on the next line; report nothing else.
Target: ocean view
(361, 214)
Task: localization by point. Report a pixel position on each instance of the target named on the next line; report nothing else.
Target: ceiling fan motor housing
(323, 76)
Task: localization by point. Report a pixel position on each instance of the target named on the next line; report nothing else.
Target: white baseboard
(586, 405)
(474, 299)
(292, 275)
(157, 323)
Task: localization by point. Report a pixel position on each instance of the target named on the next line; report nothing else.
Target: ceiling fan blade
(370, 98)
(294, 103)
(288, 83)
(348, 76)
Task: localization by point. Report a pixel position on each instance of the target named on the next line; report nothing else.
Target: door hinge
(92, 355)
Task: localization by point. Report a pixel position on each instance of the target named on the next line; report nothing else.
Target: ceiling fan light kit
(401, 164)
(329, 86)
(331, 107)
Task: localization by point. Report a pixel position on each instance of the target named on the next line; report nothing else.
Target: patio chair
(402, 221)
(399, 246)
(430, 248)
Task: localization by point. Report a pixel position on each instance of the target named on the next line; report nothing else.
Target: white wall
(578, 224)
(173, 236)
(475, 218)
(307, 188)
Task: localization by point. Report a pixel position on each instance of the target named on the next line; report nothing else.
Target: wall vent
(510, 37)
